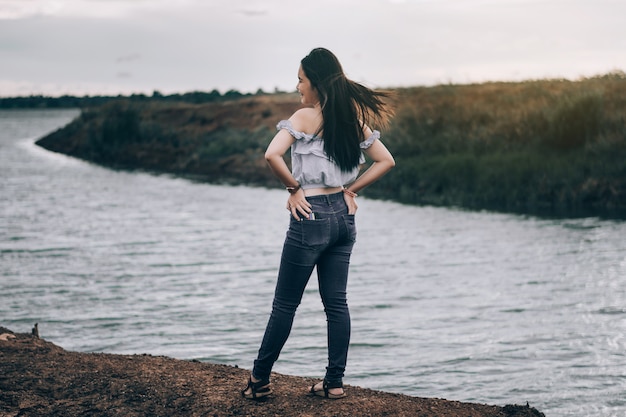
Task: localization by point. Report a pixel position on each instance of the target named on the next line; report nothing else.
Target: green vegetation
(549, 147)
(47, 102)
(220, 141)
(543, 147)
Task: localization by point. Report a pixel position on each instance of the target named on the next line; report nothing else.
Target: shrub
(575, 120)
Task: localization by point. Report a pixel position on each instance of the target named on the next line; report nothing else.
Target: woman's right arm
(382, 160)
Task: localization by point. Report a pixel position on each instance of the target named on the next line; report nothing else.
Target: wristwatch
(293, 190)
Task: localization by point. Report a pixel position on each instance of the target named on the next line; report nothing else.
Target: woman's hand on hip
(298, 205)
(351, 203)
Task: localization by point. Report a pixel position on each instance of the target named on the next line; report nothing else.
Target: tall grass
(541, 146)
(545, 147)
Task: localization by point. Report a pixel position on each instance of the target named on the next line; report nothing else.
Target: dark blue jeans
(325, 242)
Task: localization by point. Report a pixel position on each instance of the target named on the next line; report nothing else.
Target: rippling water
(468, 306)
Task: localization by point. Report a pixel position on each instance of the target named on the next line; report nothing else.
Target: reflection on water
(467, 306)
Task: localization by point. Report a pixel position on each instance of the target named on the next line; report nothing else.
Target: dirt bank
(38, 378)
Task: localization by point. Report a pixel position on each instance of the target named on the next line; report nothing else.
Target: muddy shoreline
(39, 378)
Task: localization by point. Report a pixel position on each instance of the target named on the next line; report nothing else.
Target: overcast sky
(55, 47)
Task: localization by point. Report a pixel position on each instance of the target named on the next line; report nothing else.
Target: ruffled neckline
(298, 135)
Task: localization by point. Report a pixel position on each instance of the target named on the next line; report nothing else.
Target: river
(468, 306)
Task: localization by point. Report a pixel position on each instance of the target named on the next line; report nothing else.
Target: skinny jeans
(324, 242)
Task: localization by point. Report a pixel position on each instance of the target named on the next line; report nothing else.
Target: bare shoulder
(307, 119)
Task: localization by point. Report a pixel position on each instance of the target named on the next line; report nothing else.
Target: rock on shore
(38, 378)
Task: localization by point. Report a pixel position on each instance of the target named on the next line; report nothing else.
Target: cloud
(128, 58)
(71, 45)
(18, 9)
(103, 9)
(253, 12)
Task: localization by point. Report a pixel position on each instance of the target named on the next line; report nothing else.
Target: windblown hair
(346, 107)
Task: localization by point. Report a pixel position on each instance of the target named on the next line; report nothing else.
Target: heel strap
(332, 384)
(259, 387)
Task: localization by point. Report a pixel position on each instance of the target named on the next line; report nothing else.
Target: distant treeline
(66, 101)
(545, 147)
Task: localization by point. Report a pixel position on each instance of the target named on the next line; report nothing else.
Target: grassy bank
(220, 142)
(552, 147)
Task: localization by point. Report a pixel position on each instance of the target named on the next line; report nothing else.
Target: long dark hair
(346, 107)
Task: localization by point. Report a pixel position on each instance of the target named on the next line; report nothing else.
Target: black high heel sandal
(326, 386)
(258, 390)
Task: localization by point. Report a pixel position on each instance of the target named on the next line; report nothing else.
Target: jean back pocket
(315, 232)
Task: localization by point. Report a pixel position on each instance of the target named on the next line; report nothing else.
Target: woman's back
(308, 120)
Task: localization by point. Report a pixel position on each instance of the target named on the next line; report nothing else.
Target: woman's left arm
(274, 157)
(297, 202)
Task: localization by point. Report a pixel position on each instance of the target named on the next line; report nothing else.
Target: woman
(327, 138)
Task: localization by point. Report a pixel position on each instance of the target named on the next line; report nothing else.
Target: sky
(111, 47)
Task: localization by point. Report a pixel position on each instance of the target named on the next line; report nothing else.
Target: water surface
(468, 306)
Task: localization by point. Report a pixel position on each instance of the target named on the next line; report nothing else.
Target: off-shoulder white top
(312, 167)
